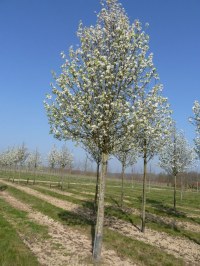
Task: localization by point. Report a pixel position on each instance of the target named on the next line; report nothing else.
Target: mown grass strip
(124, 246)
(12, 249)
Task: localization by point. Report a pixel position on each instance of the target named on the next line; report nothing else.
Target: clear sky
(34, 32)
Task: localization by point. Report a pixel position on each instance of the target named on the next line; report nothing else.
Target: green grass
(12, 249)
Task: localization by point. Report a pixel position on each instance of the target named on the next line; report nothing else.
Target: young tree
(196, 122)
(153, 118)
(9, 157)
(93, 99)
(127, 155)
(21, 154)
(176, 157)
(53, 158)
(34, 160)
(65, 160)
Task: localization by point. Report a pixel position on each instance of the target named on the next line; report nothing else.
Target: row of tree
(19, 157)
(108, 98)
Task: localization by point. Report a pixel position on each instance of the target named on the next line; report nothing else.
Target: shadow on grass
(88, 204)
(157, 220)
(3, 187)
(195, 237)
(78, 219)
(121, 213)
(195, 219)
(161, 208)
(114, 201)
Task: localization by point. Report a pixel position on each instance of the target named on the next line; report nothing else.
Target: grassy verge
(12, 249)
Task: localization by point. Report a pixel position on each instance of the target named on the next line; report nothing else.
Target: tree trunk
(97, 187)
(122, 188)
(144, 192)
(100, 213)
(175, 192)
(181, 188)
(62, 174)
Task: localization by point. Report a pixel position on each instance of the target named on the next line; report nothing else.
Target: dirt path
(65, 246)
(178, 246)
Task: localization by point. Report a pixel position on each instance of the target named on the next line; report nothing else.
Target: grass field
(32, 213)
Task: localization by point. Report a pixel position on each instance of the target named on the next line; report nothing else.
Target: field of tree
(46, 225)
(109, 100)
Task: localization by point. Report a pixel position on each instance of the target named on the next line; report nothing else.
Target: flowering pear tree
(196, 121)
(65, 160)
(21, 154)
(53, 157)
(153, 119)
(127, 155)
(177, 156)
(34, 160)
(8, 158)
(93, 98)
(14, 156)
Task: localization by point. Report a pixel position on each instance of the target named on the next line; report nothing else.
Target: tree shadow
(157, 220)
(3, 187)
(80, 218)
(114, 201)
(193, 219)
(162, 208)
(195, 238)
(120, 213)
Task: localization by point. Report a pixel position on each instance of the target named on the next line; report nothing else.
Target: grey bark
(100, 213)
(144, 190)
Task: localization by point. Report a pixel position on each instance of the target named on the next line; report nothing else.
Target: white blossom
(196, 121)
(34, 160)
(177, 156)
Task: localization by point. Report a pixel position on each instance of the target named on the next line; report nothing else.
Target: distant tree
(21, 154)
(196, 122)
(65, 160)
(98, 89)
(176, 157)
(153, 118)
(34, 160)
(95, 154)
(127, 155)
(53, 157)
(8, 157)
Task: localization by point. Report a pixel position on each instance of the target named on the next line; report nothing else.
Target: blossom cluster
(62, 158)
(98, 97)
(177, 156)
(196, 121)
(15, 156)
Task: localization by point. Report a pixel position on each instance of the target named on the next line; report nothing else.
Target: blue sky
(34, 32)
